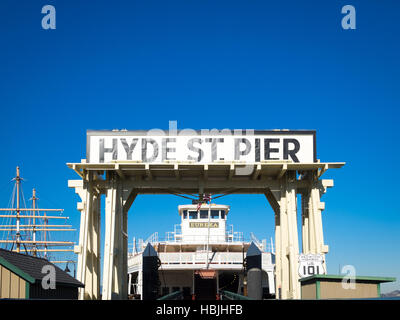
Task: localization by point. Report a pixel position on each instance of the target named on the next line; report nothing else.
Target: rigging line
(195, 195)
(5, 184)
(24, 202)
(227, 193)
(26, 251)
(57, 205)
(179, 195)
(9, 220)
(23, 196)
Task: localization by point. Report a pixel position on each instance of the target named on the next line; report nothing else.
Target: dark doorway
(205, 288)
(187, 293)
(229, 281)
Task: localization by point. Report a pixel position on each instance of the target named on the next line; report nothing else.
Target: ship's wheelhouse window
(184, 214)
(222, 214)
(203, 214)
(192, 214)
(214, 214)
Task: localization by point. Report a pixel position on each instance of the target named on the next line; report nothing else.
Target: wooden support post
(88, 269)
(81, 250)
(305, 233)
(284, 204)
(273, 199)
(313, 239)
(293, 238)
(115, 269)
(129, 284)
(93, 265)
(113, 209)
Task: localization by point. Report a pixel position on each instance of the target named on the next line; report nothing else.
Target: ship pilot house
(200, 257)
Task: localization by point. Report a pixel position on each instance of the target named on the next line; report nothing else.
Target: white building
(201, 256)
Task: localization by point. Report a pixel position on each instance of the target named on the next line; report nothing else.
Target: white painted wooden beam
(119, 171)
(256, 172)
(176, 171)
(205, 171)
(148, 172)
(231, 171)
(283, 171)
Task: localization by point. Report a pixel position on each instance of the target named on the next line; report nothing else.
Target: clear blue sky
(212, 64)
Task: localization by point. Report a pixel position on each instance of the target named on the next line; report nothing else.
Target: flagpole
(208, 235)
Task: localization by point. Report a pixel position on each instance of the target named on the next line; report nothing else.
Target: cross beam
(122, 181)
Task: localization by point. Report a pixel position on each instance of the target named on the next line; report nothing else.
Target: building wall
(308, 291)
(60, 292)
(334, 290)
(11, 285)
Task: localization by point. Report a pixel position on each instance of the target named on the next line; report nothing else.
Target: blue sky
(212, 64)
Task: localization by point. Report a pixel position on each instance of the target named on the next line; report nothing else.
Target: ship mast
(18, 235)
(39, 219)
(34, 252)
(208, 231)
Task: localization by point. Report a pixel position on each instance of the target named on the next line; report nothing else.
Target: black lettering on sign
(244, 152)
(268, 150)
(191, 147)
(129, 148)
(290, 152)
(257, 150)
(165, 148)
(145, 143)
(113, 150)
(203, 224)
(214, 142)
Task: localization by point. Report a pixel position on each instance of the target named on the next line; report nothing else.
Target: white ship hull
(184, 259)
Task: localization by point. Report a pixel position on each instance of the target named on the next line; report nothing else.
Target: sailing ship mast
(34, 223)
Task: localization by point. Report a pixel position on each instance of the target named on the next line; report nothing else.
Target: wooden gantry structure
(122, 181)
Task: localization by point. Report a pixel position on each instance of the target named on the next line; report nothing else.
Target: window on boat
(203, 214)
(222, 214)
(184, 214)
(214, 214)
(192, 214)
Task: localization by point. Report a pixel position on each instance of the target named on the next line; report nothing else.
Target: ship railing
(199, 258)
(230, 237)
(172, 258)
(233, 236)
(177, 295)
(174, 236)
(152, 239)
(227, 295)
(170, 238)
(262, 245)
(134, 259)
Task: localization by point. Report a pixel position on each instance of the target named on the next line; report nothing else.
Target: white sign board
(200, 147)
(311, 264)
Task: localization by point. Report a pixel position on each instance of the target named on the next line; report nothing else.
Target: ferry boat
(202, 256)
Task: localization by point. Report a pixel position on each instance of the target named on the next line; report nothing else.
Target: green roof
(357, 278)
(30, 268)
(16, 270)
